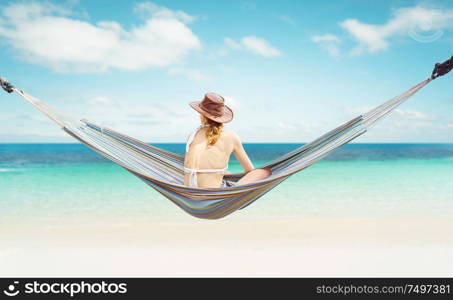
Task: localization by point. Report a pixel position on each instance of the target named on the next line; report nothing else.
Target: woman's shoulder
(229, 132)
(230, 135)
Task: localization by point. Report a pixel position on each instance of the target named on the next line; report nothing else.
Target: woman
(209, 147)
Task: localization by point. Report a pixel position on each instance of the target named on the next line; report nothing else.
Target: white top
(193, 172)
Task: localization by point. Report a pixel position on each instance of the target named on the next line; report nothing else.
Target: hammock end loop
(441, 69)
(8, 87)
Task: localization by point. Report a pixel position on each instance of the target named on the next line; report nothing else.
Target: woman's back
(202, 156)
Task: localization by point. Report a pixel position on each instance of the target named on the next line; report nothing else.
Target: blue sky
(291, 70)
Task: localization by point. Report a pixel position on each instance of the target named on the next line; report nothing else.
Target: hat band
(216, 111)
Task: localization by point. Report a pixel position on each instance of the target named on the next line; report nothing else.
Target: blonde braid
(213, 130)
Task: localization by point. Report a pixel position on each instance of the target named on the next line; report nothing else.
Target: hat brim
(226, 117)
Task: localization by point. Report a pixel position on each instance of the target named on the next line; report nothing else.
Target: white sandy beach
(335, 247)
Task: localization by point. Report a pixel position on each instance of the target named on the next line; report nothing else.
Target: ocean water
(57, 183)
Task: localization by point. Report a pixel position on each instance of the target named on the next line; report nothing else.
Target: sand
(317, 247)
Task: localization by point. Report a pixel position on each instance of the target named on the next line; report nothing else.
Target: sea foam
(9, 170)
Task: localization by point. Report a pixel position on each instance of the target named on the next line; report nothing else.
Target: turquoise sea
(53, 183)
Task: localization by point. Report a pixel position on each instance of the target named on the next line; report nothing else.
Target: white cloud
(403, 121)
(284, 125)
(407, 114)
(101, 101)
(405, 125)
(149, 9)
(147, 120)
(357, 110)
(232, 44)
(329, 42)
(232, 102)
(415, 115)
(49, 35)
(253, 44)
(259, 46)
(421, 23)
(325, 38)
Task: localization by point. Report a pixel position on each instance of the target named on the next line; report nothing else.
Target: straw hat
(213, 107)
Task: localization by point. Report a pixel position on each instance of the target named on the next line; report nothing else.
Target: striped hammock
(164, 171)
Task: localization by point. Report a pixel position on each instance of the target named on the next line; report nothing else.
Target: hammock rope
(163, 170)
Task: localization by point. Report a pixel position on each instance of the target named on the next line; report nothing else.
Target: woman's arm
(242, 156)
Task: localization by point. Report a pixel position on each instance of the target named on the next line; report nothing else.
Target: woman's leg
(255, 175)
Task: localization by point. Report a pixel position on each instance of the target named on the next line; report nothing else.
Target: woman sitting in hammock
(209, 147)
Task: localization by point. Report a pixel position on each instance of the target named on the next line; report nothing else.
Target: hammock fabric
(164, 171)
